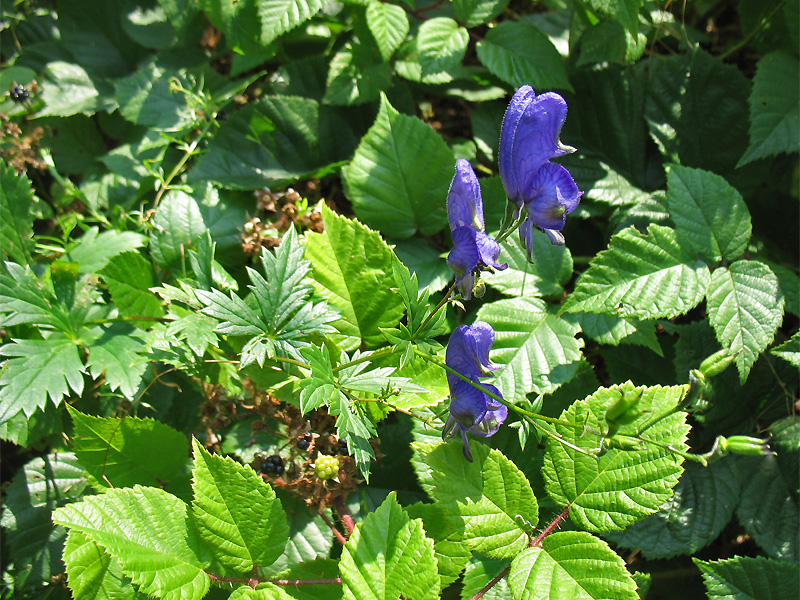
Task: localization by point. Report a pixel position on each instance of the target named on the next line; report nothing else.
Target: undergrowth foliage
(234, 350)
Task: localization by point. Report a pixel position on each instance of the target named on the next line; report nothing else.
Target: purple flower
(473, 250)
(528, 140)
(472, 410)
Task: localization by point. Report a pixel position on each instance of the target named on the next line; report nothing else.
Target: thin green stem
(755, 31)
(436, 309)
(377, 354)
(190, 151)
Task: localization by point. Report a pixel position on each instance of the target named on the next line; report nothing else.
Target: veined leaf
(279, 16)
(16, 199)
(24, 299)
(571, 564)
(408, 565)
(177, 226)
(116, 352)
(129, 277)
(745, 309)
(488, 495)
(624, 11)
(147, 531)
(399, 176)
(451, 553)
(147, 98)
(614, 331)
(750, 578)
(124, 452)
(618, 487)
(477, 12)
(310, 538)
(550, 269)
(646, 277)
(265, 591)
(441, 43)
(96, 248)
(357, 74)
(237, 512)
(389, 26)
(352, 269)
(479, 572)
(92, 573)
(789, 350)
(774, 108)
(710, 215)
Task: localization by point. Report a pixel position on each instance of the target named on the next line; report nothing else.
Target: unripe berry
(326, 466)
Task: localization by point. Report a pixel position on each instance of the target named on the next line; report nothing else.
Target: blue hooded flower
(528, 140)
(472, 410)
(473, 250)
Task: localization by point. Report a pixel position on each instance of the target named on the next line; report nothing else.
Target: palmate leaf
(92, 573)
(237, 512)
(750, 578)
(745, 309)
(280, 16)
(16, 228)
(399, 176)
(352, 269)
(647, 277)
(488, 495)
(571, 564)
(389, 26)
(618, 487)
(538, 350)
(710, 216)
(407, 567)
(147, 531)
(123, 452)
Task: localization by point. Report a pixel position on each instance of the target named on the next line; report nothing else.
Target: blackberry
(343, 447)
(19, 94)
(304, 442)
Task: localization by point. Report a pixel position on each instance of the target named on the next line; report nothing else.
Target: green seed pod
(717, 363)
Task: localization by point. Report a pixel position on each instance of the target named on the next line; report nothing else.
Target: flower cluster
(472, 410)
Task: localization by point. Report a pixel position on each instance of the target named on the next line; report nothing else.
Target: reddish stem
(491, 584)
(336, 533)
(335, 580)
(344, 515)
(537, 541)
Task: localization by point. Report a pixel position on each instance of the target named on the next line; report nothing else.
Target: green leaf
(16, 201)
(92, 573)
(279, 16)
(480, 571)
(609, 42)
(123, 452)
(646, 277)
(36, 371)
(147, 98)
(237, 512)
(750, 578)
(613, 331)
(116, 352)
(399, 176)
(745, 309)
(358, 74)
(489, 494)
(571, 564)
(24, 299)
(265, 591)
(389, 26)
(520, 54)
(177, 226)
(710, 216)
(129, 277)
(352, 269)
(196, 329)
(309, 537)
(789, 350)
(441, 44)
(407, 565)
(69, 89)
(477, 12)
(451, 553)
(95, 249)
(624, 11)
(618, 487)
(425, 262)
(550, 268)
(700, 508)
(774, 108)
(147, 531)
(538, 350)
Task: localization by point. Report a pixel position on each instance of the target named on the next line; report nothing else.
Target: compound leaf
(117, 354)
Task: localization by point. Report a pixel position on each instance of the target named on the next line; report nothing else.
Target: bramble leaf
(95, 248)
(279, 16)
(750, 578)
(24, 299)
(129, 277)
(92, 573)
(16, 199)
(389, 26)
(116, 353)
(789, 350)
(550, 268)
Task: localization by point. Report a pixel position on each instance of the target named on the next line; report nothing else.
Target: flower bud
(716, 363)
(742, 444)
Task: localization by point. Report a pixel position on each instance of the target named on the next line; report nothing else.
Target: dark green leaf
(747, 578)
(16, 200)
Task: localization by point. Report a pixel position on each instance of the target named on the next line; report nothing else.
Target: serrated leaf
(425, 262)
(614, 331)
(95, 249)
(399, 176)
(479, 572)
(38, 370)
(477, 12)
(745, 309)
(646, 277)
(624, 11)
(116, 353)
(310, 538)
(573, 564)
(92, 573)
(69, 89)
(123, 452)
(701, 506)
(237, 512)
(24, 299)
(407, 566)
(618, 487)
(774, 108)
(147, 531)
(520, 54)
(550, 268)
(441, 44)
(710, 216)
(609, 42)
(129, 278)
(358, 74)
(789, 350)
(389, 26)
(750, 578)
(177, 226)
(196, 329)
(16, 200)
(265, 591)
(538, 350)
(451, 553)
(279, 16)
(352, 269)
(488, 494)
(147, 98)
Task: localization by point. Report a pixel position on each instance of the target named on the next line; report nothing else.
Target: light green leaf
(488, 493)
(774, 108)
(538, 350)
(750, 578)
(147, 98)
(358, 74)
(647, 277)
(551, 267)
(95, 249)
(352, 269)
(265, 591)
(614, 331)
(406, 565)
(618, 487)
(451, 553)
(92, 573)
(129, 277)
(177, 227)
(16, 200)
(389, 26)
(147, 531)
(441, 44)
(69, 90)
(399, 176)
(571, 564)
(279, 16)
(745, 309)
(123, 452)
(24, 299)
(477, 12)
(479, 572)
(116, 352)
(789, 350)
(624, 11)
(237, 512)
(520, 54)
(710, 216)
